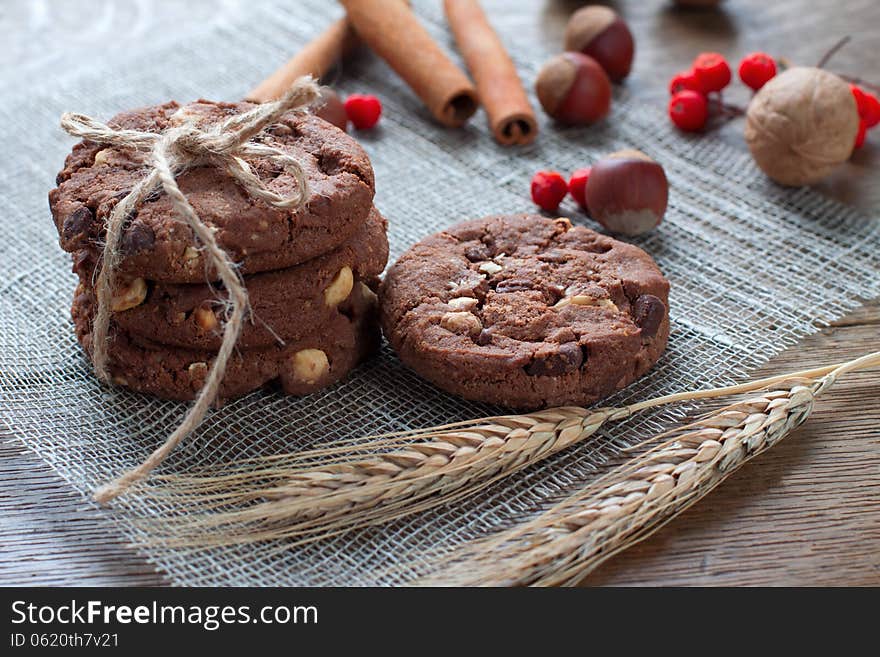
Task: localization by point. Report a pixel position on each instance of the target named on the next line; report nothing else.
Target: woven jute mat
(753, 267)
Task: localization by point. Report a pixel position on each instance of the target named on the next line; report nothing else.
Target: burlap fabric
(753, 268)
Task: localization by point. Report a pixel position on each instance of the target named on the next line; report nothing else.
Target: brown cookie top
(285, 304)
(526, 311)
(158, 246)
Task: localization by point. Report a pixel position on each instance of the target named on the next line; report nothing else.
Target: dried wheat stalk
(568, 541)
(319, 493)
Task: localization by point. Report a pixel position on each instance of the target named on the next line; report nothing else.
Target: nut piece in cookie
(130, 295)
(461, 322)
(310, 365)
(339, 288)
(205, 319)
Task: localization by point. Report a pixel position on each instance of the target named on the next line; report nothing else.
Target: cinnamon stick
(511, 117)
(315, 59)
(395, 34)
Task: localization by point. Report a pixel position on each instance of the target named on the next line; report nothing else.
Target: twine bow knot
(185, 146)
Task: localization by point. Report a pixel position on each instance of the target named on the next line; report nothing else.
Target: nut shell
(627, 192)
(801, 125)
(600, 33)
(574, 89)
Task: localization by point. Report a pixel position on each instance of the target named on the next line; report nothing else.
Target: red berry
(363, 110)
(684, 80)
(577, 186)
(872, 113)
(548, 190)
(868, 106)
(860, 135)
(689, 110)
(756, 69)
(712, 71)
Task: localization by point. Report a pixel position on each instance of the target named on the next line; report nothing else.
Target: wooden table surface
(805, 513)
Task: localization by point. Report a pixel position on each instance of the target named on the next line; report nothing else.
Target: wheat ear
(318, 493)
(568, 541)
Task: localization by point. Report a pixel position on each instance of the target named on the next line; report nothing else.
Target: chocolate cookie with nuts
(157, 246)
(300, 367)
(526, 312)
(286, 305)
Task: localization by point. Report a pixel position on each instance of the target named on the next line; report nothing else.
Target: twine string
(224, 145)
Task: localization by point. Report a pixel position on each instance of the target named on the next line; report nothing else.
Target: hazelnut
(205, 319)
(190, 254)
(339, 288)
(330, 107)
(461, 322)
(627, 192)
(599, 32)
(574, 89)
(129, 296)
(801, 125)
(310, 365)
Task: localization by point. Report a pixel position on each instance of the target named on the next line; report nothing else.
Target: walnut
(801, 125)
(310, 365)
(339, 288)
(129, 295)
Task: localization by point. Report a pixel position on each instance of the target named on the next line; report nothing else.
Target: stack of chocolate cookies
(310, 274)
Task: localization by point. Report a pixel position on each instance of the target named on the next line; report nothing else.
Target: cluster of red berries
(710, 73)
(689, 106)
(549, 188)
(363, 110)
(868, 106)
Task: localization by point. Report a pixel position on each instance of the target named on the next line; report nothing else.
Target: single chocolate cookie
(158, 246)
(286, 305)
(309, 364)
(526, 312)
